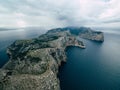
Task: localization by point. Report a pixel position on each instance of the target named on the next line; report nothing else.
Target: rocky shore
(83, 32)
(34, 63)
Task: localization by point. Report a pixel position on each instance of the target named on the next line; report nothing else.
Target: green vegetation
(48, 37)
(33, 59)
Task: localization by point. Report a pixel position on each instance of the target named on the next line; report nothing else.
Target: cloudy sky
(59, 13)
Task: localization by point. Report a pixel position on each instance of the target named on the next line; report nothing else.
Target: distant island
(33, 64)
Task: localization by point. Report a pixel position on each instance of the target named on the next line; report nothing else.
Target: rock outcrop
(83, 32)
(92, 35)
(34, 64)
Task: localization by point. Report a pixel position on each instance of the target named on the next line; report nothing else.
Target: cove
(93, 68)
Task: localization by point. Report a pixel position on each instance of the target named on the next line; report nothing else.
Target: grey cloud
(52, 13)
(116, 20)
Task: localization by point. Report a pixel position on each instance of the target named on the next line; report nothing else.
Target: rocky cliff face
(34, 63)
(92, 35)
(83, 32)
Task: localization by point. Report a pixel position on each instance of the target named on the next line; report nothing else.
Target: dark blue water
(95, 68)
(8, 37)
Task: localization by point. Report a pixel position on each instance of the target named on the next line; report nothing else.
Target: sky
(60, 13)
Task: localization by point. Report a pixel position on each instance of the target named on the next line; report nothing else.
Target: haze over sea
(7, 37)
(95, 68)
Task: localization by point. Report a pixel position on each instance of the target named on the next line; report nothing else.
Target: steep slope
(83, 32)
(34, 64)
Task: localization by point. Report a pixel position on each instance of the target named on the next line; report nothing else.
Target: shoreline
(36, 57)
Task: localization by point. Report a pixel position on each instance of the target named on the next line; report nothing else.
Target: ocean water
(9, 36)
(95, 68)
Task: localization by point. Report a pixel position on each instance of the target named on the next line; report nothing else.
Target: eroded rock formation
(34, 63)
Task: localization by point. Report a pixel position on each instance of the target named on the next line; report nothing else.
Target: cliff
(92, 35)
(83, 32)
(34, 63)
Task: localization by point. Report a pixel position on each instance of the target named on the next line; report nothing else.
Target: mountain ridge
(34, 63)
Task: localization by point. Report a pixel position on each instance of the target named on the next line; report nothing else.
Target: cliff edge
(34, 63)
(83, 32)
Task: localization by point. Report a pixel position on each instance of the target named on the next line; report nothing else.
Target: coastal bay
(82, 63)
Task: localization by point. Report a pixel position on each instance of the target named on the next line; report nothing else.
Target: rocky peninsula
(34, 63)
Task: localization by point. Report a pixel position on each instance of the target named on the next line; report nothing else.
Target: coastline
(36, 57)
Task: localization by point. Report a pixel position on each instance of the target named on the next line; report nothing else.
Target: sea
(97, 67)
(7, 37)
